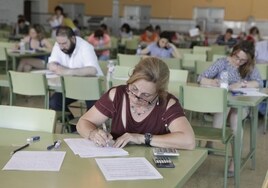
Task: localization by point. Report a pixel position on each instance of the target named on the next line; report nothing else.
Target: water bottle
(110, 66)
(139, 50)
(22, 47)
(101, 43)
(224, 79)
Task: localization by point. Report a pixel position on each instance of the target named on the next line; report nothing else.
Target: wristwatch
(148, 138)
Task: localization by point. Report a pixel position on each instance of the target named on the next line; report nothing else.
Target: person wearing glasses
(242, 73)
(142, 112)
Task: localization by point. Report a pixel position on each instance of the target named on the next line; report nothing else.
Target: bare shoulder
(171, 102)
(112, 94)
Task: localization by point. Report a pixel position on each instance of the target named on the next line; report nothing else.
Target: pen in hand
(20, 148)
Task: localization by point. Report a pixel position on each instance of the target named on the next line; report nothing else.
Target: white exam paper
(86, 148)
(134, 168)
(251, 91)
(36, 161)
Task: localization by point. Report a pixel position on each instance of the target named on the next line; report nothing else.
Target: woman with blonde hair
(142, 112)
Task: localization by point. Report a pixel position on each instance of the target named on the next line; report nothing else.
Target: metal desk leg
(237, 147)
(253, 133)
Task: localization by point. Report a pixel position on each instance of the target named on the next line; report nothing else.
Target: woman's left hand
(126, 138)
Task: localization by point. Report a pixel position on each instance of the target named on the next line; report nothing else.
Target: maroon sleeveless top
(156, 122)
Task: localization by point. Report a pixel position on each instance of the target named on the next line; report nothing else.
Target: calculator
(165, 152)
(163, 162)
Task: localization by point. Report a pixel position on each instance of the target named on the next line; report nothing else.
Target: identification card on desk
(165, 152)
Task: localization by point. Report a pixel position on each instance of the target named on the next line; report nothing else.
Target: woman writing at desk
(142, 112)
(242, 73)
(36, 41)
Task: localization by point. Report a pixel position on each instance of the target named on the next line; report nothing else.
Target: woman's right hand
(100, 137)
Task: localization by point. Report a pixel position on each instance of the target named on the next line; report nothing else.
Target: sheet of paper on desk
(49, 74)
(86, 148)
(251, 91)
(36, 161)
(134, 168)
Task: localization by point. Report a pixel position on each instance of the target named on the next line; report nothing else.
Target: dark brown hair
(247, 47)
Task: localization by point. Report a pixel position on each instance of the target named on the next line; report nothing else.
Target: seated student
(254, 34)
(21, 27)
(142, 112)
(125, 31)
(71, 55)
(99, 39)
(148, 37)
(226, 39)
(37, 41)
(163, 48)
(242, 73)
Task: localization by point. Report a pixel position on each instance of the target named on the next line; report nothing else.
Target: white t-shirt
(82, 56)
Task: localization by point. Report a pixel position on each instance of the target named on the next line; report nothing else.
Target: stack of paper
(86, 148)
(250, 91)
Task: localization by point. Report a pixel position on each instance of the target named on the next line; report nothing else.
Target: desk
(239, 102)
(84, 172)
(16, 55)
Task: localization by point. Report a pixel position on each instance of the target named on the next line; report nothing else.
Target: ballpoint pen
(20, 148)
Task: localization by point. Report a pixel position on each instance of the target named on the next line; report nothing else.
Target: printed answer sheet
(135, 168)
(86, 148)
(36, 161)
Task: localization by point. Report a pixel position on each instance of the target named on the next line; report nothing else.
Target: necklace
(135, 110)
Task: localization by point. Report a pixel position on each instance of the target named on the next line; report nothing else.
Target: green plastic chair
(120, 75)
(209, 100)
(201, 49)
(81, 89)
(31, 84)
(172, 63)
(176, 79)
(26, 118)
(263, 69)
(128, 60)
(200, 67)
(189, 59)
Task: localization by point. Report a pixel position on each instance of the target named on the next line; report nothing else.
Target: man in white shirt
(71, 55)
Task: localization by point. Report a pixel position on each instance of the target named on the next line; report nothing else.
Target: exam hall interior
(213, 17)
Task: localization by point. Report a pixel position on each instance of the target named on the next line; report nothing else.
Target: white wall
(10, 9)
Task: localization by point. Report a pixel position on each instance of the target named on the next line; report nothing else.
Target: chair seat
(212, 134)
(74, 121)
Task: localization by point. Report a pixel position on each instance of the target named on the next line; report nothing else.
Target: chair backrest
(263, 69)
(176, 79)
(25, 83)
(201, 49)
(26, 118)
(183, 51)
(128, 60)
(205, 100)
(178, 75)
(189, 59)
(201, 66)
(120, 75)
(82, 88)
(172, 63)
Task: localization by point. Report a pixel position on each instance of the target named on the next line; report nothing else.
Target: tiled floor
(210, 174)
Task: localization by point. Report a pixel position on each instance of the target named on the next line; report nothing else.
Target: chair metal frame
(209, 100)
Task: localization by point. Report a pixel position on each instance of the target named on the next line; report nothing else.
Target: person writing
(71, 55)
(226, 39)
(163, 48)
(37, 41)
(242, 73)
(142, 112)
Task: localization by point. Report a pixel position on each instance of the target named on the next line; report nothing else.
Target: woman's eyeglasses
(237, 58)
(130, 92)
